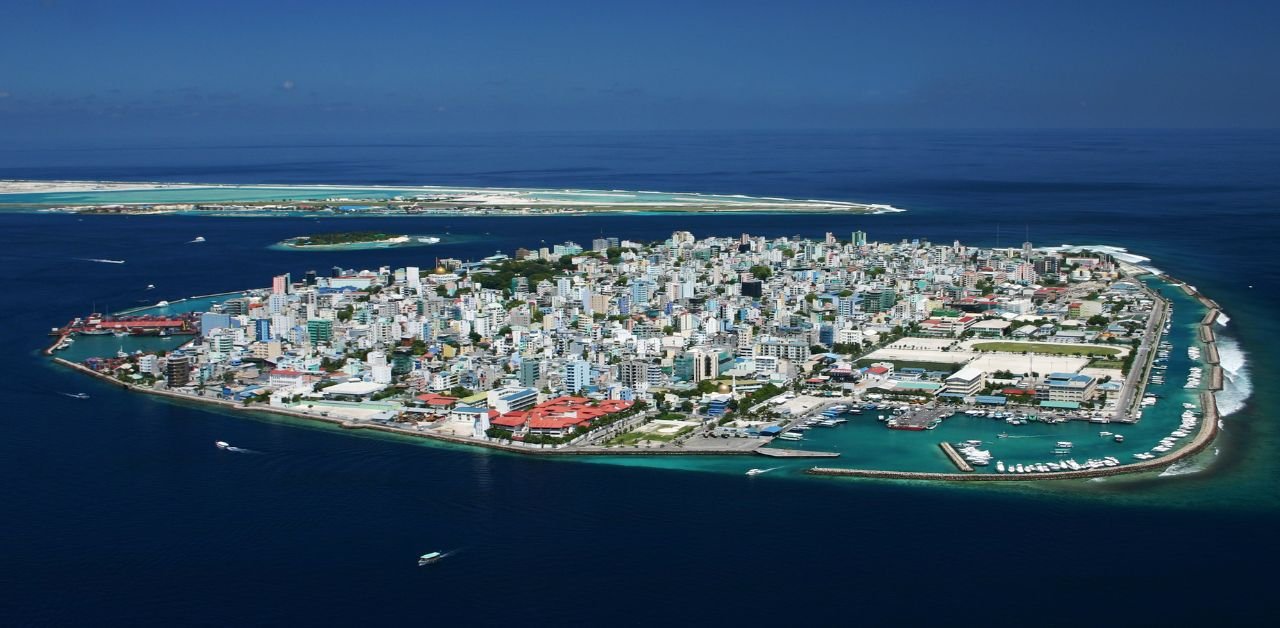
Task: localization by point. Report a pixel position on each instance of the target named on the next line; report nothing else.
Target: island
(109, 198)
(349, 240)
(915, 360)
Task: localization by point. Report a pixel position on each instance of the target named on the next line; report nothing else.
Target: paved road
(1150, 338)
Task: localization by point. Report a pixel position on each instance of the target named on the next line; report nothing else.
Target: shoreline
(1204, 436)
(351, 425)
(502, 199)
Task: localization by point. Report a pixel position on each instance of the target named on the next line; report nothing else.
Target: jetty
(955, 457)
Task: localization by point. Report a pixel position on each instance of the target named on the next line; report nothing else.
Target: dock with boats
(954, 455)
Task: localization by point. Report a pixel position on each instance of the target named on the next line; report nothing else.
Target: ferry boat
(429, 557)
(893, 425)
(1064, 444)
(790, 436)
(222, 444)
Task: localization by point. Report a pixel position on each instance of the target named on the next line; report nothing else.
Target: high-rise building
(577, 376)
(177, 370)
(262, 330)
(319, 330)
(210, 321)
(413, 278)
(280, 284)
(859, 238)
(530, 371)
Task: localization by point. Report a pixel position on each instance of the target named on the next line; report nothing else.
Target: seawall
(346, 424)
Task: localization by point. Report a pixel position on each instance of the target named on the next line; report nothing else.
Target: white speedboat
(198, 239)
(222, 444)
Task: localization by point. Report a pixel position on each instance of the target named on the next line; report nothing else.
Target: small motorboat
(429, 557)
(222, 444)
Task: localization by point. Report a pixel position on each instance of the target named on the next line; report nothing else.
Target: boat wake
(1189, 466)
(1237, 381)
(100, 260)
(240, 450)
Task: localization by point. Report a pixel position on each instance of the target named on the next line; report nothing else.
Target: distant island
(102, 197)
(354, 240)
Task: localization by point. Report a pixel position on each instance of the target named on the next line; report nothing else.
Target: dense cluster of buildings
(552, 340)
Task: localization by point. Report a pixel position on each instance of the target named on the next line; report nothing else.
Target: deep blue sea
(118, 510)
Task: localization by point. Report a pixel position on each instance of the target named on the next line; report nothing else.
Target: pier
(955, 457)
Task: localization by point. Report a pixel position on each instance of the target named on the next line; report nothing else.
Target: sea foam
(1237, 380)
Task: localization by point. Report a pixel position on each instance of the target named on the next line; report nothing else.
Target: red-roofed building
(560, 416)
(437, 404)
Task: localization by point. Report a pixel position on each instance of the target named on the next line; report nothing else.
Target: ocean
(118, 509)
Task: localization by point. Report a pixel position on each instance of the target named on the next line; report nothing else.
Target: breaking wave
(1187, 466)
(1237, 381)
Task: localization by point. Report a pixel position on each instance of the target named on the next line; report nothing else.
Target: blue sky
(206, 68)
